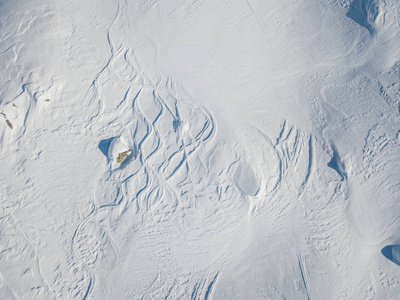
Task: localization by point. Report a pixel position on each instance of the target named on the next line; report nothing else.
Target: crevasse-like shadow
(104, 145)
(392, 252)
(336, 163)
(359, 13)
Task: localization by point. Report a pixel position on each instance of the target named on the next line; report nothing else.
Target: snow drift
(199, 149)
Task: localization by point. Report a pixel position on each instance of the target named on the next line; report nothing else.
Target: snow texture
(199, 149)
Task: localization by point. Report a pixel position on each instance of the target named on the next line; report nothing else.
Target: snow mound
(118, 150)
(246, 180)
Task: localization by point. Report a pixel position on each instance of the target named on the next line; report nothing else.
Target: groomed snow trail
(263, 149)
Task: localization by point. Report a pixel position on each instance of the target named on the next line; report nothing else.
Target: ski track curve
(180, 163)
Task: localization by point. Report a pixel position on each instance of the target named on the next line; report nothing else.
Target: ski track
(152, 143)
(181, 163)
(304, 276)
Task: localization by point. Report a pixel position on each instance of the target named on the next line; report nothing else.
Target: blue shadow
(388, 253)
(336, 163)
(358, 13)
(104, 145)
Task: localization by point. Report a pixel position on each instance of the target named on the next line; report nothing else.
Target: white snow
(118, 150)
(263, 149)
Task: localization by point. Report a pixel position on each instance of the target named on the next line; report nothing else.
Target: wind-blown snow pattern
(199, 149)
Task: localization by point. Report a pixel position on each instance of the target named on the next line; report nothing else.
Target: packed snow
(199, 149)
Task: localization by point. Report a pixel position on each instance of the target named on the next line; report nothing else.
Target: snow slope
(262, 149)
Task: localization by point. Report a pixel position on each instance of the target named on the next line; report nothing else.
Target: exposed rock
(118, 150)
(9, 124)
(122, 156)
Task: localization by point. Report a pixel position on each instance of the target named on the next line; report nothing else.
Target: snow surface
(264, 139)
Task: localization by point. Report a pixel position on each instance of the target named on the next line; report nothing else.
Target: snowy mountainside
(199, 149)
